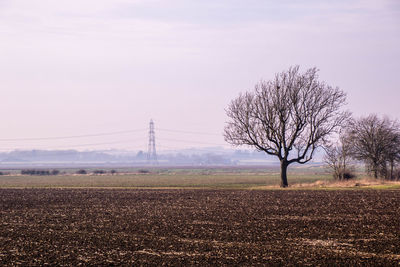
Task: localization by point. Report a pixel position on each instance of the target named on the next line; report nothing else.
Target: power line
(169, 148)
(83, 145)
(116, 142)
(189, 141)
(186, 132)
(70, 136)
(100, 134)
(106, 143)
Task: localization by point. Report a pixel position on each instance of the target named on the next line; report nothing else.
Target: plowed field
(199, 227)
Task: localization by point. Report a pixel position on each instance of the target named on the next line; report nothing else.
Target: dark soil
(199, 227)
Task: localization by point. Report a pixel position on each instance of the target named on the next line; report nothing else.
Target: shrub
(81, 171)
(35, 172)
(348, 175)
(99, 171)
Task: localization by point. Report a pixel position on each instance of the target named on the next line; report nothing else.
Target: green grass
(167, 178)
(138, 180)
(384, 186)
(189, 178)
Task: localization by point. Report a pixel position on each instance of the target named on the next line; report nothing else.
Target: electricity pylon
(151, 153)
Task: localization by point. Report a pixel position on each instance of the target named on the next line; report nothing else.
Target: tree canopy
(287, 117)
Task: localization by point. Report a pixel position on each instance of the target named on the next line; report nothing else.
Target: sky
(97, 71)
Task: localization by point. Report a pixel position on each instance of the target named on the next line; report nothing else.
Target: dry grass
(362, 183)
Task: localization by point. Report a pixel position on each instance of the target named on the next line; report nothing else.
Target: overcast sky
(97, 66)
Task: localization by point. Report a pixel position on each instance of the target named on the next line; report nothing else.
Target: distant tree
(393, 151)
(376, 142)
(338, 157)
(287, 117)
(396, 174)
(113, 171)
(55, 172)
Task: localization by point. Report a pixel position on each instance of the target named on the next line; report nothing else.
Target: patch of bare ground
(71, 227)
(346, 248)
(169, 253)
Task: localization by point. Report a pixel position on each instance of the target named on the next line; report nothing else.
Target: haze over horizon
(91, 68)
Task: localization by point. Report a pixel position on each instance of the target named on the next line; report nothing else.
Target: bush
(35, 172)
(55, 172)
(113, 172)
(81, 171)
(99, 171)
(343, 175)
(348, 175)
(143, 171)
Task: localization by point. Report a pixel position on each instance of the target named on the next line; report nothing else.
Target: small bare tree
(288, 117)
(338, 157)
(376, 141)
(393, 151)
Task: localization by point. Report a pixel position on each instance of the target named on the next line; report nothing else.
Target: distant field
(224, 178)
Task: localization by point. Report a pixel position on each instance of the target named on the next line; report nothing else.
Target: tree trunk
(284, 166)
(391, 169)
(376, 171)
(344, 167)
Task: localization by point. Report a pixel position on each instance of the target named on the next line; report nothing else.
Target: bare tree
(338, 157)
(288, 117)
(376, 141)
(393, 150)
